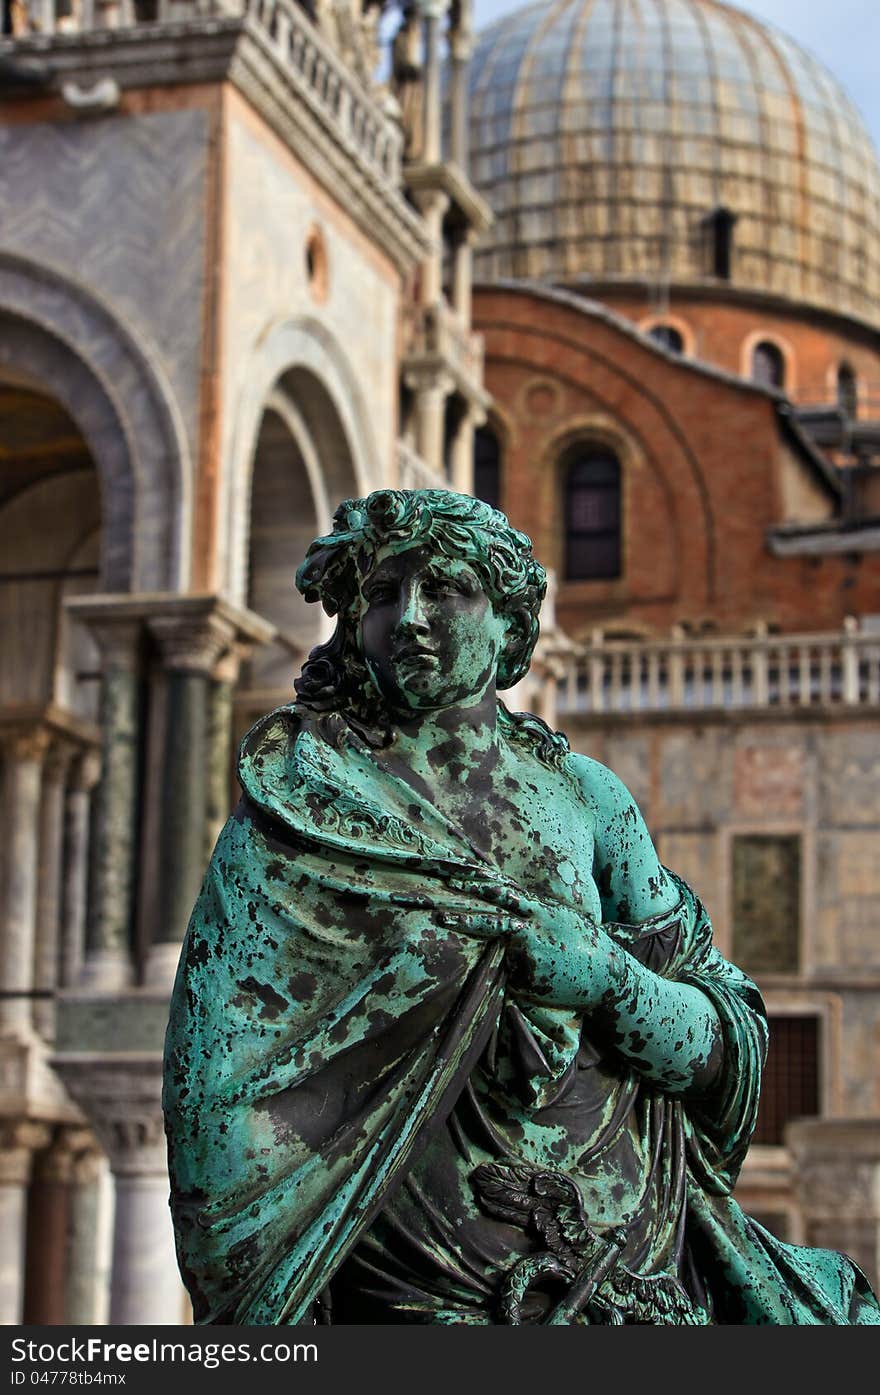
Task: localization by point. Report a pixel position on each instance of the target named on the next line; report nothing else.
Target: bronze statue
(448, 1044)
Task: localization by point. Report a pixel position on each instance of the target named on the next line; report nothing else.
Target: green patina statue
(447, 1043)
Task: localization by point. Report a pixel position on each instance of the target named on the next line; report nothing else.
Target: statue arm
(668, 1030)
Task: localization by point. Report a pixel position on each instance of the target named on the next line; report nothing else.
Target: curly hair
(334, 677)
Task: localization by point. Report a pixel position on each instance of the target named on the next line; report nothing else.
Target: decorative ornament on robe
(358, 1100)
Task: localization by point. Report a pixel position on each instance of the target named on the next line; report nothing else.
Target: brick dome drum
(605, 133)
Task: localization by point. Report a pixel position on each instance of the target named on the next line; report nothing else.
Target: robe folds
(344, 1037)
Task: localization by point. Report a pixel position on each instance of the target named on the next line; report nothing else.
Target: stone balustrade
(682, 674)
(281, 27)
(414, 472)
(441, 337)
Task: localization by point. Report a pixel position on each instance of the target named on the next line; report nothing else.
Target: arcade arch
(302, 467)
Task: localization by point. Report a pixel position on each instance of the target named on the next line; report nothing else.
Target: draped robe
(342, 1056)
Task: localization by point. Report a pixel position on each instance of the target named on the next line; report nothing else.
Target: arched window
(768, 365)
(487, 466)
(668, 337)
(847, 390)
(592, 514)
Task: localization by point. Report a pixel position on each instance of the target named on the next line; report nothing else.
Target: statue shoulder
(604, 792)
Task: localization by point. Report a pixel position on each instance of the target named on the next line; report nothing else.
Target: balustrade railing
(684, 675)
(317, 72)
(819, 395)
(414, 473)
(441, 334)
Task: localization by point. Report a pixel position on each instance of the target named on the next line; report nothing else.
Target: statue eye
(380, 593)
(442, 585)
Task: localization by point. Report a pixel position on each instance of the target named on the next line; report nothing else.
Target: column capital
(117, 636)
(55, 1162)
(118, 621)
(433, 9)
(192, 643)
(25, 742)
(426, 379)
(85, 771)
(59, 759)
(431, 201)
(461, 44)
(122, 1100)
(19, 1140)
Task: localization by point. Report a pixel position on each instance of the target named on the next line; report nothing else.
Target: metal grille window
(668, 337)
(768, 365)
(847, 390)
(790, 1088)
(766, 903)
(487, 467)
(592, 515)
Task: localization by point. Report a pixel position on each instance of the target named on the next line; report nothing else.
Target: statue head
(457, 527)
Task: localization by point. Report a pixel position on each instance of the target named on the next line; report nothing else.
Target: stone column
(461, 46)
(432, 204)
(45, 1298)
(113, 851)
(190, 647)
(49, 889)
(86, 1273)
(220, 718)
(81, 782)
(461, 463)
(837, 1184)
(122, 1100)
(18, 1142)
(462, 276)
(23, 753)
(431, 390)
(432, 13)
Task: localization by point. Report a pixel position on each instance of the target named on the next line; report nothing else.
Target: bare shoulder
(632, 883)
(604, 792)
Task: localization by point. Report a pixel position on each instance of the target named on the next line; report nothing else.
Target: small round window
(316, 264)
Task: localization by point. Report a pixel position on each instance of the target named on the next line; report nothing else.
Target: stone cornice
(57, 722)
(234, 49)
(147, 606)
(470, 207)
(377, 206)
(823, 539)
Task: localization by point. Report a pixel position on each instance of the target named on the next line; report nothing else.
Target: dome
(613, 139)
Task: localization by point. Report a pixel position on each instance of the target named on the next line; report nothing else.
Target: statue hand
(560, 955)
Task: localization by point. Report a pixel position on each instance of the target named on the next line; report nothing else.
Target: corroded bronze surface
(447, 1043)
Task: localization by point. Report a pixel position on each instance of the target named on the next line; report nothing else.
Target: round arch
(302, 362)
(59, 338)
(653, 323)
(782, 346)
(600, 429)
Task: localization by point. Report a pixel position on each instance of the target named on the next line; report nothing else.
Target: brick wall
(703, 476)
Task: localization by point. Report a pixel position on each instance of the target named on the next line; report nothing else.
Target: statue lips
(419, 655)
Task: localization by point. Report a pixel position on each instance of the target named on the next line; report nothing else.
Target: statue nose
(412, 615)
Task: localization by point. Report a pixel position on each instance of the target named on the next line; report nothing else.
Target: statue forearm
(669, 1031)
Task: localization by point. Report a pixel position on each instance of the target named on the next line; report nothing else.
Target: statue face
(428, 633)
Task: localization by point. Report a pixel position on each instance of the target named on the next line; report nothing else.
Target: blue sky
(844, 34)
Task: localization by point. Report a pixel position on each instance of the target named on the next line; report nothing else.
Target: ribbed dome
(603, 132)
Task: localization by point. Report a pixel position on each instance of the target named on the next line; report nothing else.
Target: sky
(843, 34)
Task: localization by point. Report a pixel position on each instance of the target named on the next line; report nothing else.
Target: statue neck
(430, 742)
